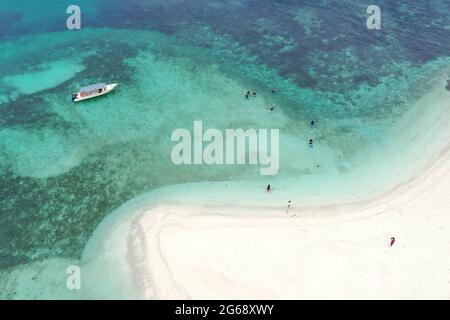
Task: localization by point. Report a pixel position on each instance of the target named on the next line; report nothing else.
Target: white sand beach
(332, 253)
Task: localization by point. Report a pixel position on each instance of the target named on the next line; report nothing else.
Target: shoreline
(165, 232)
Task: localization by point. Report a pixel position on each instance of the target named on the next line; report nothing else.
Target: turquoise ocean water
(64, 167)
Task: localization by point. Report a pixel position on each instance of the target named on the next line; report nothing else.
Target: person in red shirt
(392, 241)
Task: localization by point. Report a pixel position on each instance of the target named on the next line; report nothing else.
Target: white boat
(92, 91)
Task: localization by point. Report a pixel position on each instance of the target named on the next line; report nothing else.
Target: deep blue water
(412, 30)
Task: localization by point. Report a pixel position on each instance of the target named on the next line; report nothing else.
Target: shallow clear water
(64, 167)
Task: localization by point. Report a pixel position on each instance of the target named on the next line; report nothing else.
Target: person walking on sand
(392, 241)
(289, 207)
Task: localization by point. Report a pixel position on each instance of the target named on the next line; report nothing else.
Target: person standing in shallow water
(313, 123)
(269, 188)
(311, 143)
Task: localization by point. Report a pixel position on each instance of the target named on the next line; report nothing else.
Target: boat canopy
(93, 87)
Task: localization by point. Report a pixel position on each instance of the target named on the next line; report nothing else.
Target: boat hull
(108, 89)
